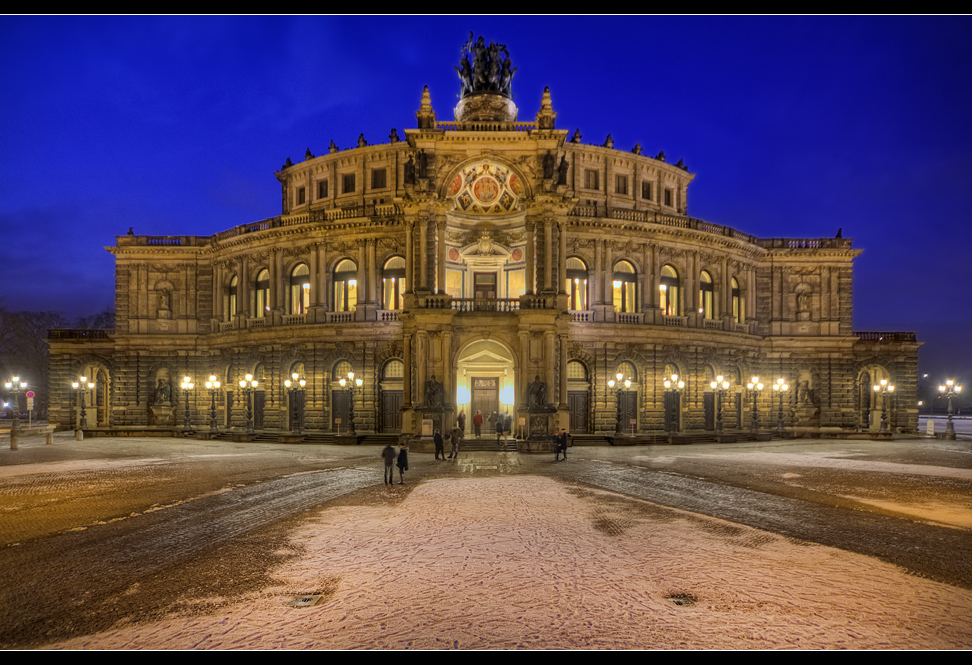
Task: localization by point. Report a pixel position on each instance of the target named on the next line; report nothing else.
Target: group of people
(400, 458)
(454, 437)
(391, 457)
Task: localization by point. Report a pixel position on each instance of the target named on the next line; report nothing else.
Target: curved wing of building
(485, 265)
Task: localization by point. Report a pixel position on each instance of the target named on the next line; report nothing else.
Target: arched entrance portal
(485, 382)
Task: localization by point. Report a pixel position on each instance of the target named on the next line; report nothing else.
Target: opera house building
(489, 263)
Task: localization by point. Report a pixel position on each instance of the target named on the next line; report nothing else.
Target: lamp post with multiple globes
(949, 390)
(294, 389)
(780, 387)
(350, 382)
(755, 388)
(618, 425)
(720, 386)
(884, 389)
(212, 385)
(673, 387)
(248, 384)
(82, 386)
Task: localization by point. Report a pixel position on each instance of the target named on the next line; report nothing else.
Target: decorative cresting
(485, 188)
(484, 93)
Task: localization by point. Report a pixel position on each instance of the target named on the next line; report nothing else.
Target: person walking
(462, 422)
(439, 444)
(388, 454)
(402, 462)
(478, 424)
(454, 439)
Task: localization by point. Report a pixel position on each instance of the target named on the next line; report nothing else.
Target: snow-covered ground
(529, 562)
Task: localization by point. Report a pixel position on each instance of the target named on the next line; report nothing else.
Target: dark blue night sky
(794, 127)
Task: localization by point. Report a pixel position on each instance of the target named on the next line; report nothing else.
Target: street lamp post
(15, 385)
(248, 384)
(351, 382)
(82, 386)
(755, 388)
(295, 388)
(949, 390)
(884, 389)
(674, 388)
(720, 386)
(618, 426)
(186, 386)
(213, 387)
(780, 387)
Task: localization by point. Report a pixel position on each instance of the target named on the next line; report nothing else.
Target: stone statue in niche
(537, 392)
(434, 393)
(163, 392)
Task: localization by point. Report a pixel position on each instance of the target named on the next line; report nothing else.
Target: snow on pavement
(528, 562)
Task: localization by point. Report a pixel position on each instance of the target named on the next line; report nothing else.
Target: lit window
(670, 300)
(231, 299)
(299, 289)
(262, 294)
(393, 283)
(706, 296)
(576, 284)
(346, 286)
(736, 302)
(624, 287)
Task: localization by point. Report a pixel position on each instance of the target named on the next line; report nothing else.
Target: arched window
(341, 370)
(706, 296)
(736, 301)
(393, 283)
(299, 289)
(576, 284)
(627, 370)
(394, 370)
(576, 371)
(345, 286)
(624, 287)
(231, 293)
(261, 293)
(671, 297)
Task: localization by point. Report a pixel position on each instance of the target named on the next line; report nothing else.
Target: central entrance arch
(485, 380)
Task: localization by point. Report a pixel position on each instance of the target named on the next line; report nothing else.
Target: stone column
(277, 283)
(447, 387)
(597, 273)
(407, 379)
(524, 378)
(243, 292)
(362, 273)
(608, 275)
(548, 363)
(562, 259)
(409, 269)
(424, 254)
(647, 292)
(562, 404)
(530, 284)
(440, 258)
(547, 255)
(420, 361)
(373, 270)
(726, 299)
(218, 292)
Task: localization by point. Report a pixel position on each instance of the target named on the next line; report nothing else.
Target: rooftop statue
(489, 71)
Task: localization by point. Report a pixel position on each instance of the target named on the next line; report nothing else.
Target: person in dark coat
(402, 463)
(388, 454)
(439, 444)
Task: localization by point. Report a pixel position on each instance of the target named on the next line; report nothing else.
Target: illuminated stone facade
(496, 256)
